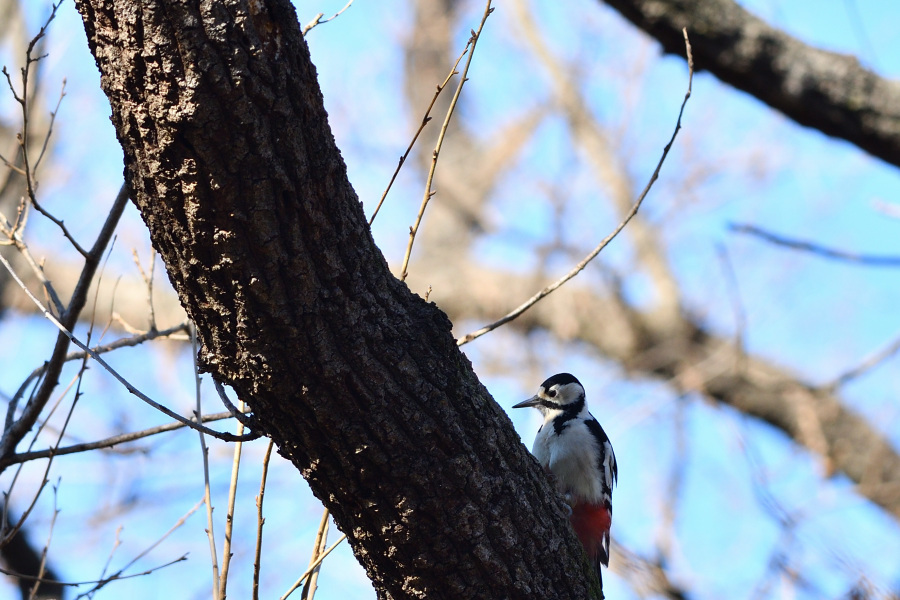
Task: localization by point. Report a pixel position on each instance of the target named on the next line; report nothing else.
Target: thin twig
(229, 515)
(118, 574)
(260, 520)
(13, 434)
(237, 413)
(107, 442)
(148, 281)
(133, 390)
(58, 222)
(319, 20)
(128, 342)
(634, 209)
(15, 529)
(6, 531)
(306, 573)
(43, 565)
(24, 136)
(38, 270)
(30, 187)
(95, 581)
(425, 120)
(309, 590)
(11, 166)
(804, 246)
(473, 40)
(62, 94)
(112, 552)
(866, 365)
(210, 531)
(134, 340)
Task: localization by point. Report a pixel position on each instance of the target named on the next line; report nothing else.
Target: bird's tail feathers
(592, 523)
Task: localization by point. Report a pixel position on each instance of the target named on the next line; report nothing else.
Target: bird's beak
(533, 401)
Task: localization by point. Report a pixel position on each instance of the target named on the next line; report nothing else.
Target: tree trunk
(233, 166)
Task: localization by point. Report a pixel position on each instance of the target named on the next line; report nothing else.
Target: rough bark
(825, 90)
(235, 171)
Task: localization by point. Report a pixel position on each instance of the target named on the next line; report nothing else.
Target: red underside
(591, 523)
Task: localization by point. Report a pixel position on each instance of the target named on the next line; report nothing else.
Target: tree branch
(828, 91)
(869, 260)
(107, 442)
(13, 434)
(515, 313)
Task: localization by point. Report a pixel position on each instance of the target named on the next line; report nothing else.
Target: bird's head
(560, 392)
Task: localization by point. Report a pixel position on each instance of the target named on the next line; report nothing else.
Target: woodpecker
(572, 446)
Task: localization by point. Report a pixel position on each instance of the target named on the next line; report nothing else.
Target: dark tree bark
(359, 382)
(828, 91)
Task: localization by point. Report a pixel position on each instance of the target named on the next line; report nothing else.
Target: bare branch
(107, 442)
(236, 412)
(11, 166)
(99, 582)
(259, 519)
(866, 365)
(584, 262)
(319, 20)
(473, 40)
(38, 270)
(133, 390)
(134, 340)
(826, 90)
(229, 515)
(319, 544)
(9, 534)
(58, 222)
(148, 282)
(13, 434)
(313, 567)
(425, 120)
(43, 566)
(210, 530)
(53, 113)
(804, 246)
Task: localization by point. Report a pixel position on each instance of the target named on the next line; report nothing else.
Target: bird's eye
(552, 393)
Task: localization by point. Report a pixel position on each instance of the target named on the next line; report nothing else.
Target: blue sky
(816, 317)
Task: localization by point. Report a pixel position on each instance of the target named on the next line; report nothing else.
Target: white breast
(572, 458)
